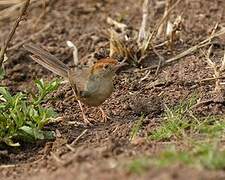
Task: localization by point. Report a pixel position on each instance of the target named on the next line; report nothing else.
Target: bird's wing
(79, 79)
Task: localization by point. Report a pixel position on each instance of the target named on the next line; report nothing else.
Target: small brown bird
(91, 85)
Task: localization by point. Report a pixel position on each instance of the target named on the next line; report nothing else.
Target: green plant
(2, 70)
(171, 156)
(136, 127)
(203, 135)
(179, 122)
(139, 165)
(2, 73)
(203, 155)
(22, 117)
(206, 155)
(211, 127)
(175, 122)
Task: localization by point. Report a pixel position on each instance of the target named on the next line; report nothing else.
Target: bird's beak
(118, 66)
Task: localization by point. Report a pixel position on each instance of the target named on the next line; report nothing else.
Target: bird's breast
(98, 91)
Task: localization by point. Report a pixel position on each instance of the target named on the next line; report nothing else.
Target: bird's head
(105, 67)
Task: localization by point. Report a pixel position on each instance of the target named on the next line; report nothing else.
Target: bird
(91, 85)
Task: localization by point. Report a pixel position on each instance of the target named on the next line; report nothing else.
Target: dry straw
(11, 8)
(25, 5)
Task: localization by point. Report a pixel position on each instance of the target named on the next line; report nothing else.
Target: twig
(77, 139)
(185, 53)
(3, 50)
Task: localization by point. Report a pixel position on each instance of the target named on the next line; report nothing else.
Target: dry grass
(217, 69)
(9, 9)
(12, 32)
(135, 48)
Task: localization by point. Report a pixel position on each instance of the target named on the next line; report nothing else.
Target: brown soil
(104, 148)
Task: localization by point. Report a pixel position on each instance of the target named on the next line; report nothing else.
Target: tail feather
(47, 60)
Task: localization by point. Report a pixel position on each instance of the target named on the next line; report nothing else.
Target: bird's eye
(106, 66)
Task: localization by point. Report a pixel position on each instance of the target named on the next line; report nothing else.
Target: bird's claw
(105, 117)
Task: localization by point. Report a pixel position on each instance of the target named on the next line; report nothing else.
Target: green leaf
(5, 93)
(38, 134)
(2, 73)
(49, 135)
(33, 132)
(23, 117)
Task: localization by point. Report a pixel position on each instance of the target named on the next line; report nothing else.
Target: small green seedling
(175, 122)
(136, 127)
(23, 117)
(139, 165)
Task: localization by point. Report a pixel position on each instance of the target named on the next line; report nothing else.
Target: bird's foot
(105, 117)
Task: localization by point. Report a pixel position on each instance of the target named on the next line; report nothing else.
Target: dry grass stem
(153, 35)
(118, 47)
(133, 48)
(209, 79)
(161, 61)
(192, 49)
(189, 51)
(214, 30)
(14, 6)
(218, 70)
(70, 148)
(8, 3)
(142, 31)
(173, 31)
(12, 32)
(168, 4)
(78, 138)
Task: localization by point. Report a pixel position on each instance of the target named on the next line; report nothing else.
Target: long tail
(47, 60)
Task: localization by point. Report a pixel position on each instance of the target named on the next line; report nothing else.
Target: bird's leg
(104, 115)
(86, 121)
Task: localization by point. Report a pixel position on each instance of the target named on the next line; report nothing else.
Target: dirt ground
(104, 149)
